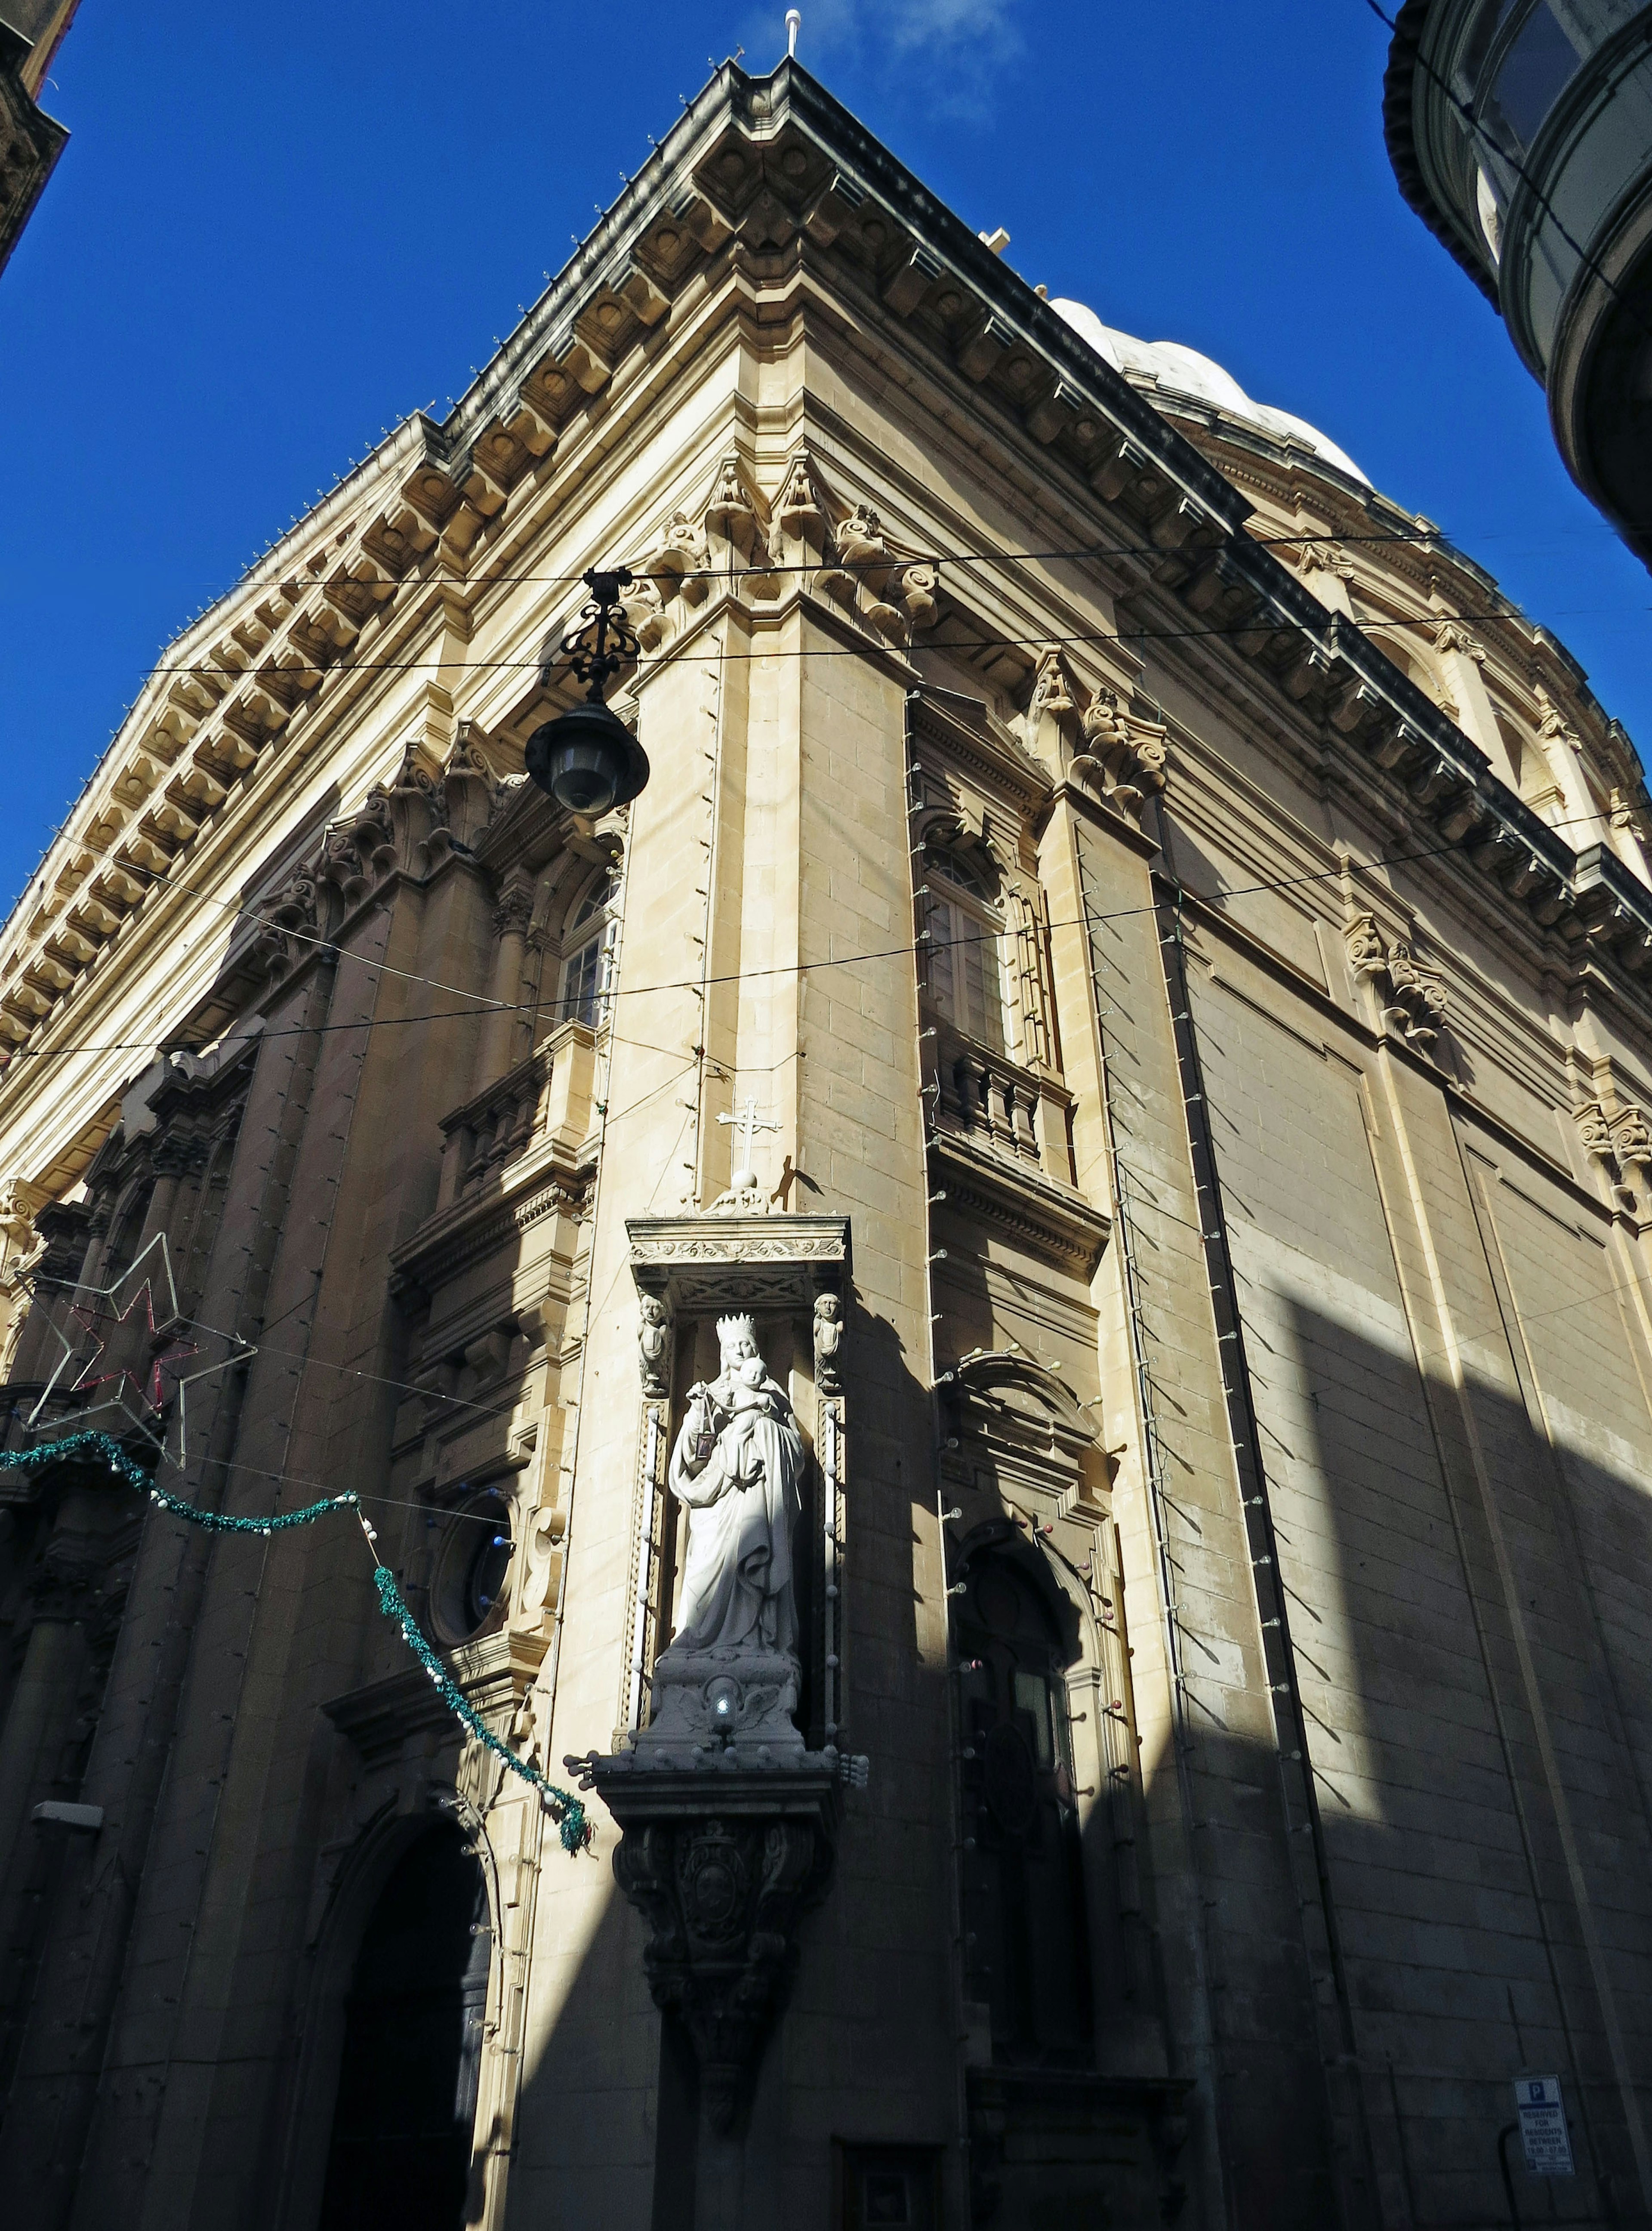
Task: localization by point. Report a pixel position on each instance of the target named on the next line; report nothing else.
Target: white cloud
(945, 51)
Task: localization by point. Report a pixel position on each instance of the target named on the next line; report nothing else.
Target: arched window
(587, 956)
(124, 1240)
(403, 2126)
(965, 969)
(1026, 1946)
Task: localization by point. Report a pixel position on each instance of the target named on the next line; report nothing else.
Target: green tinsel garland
(564, 1808)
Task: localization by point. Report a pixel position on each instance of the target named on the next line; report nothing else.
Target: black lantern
(587, 759)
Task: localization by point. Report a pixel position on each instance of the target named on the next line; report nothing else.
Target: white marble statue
(738, 1468)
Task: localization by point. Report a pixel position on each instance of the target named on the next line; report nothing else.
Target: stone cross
(747, 1123)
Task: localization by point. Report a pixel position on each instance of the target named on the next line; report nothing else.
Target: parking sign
(1543, 2126)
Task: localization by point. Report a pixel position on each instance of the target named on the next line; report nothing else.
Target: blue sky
(276, 230)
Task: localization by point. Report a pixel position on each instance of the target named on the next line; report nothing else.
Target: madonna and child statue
(727, 1685)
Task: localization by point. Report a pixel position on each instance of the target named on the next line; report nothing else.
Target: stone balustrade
(545, 1097)
(991, 1097)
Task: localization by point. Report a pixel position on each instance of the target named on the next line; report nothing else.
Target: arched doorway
(1026, 1945)
(400, 2155)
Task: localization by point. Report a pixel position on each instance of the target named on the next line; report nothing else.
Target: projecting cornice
(760, 185)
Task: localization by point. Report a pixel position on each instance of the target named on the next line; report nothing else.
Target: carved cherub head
(828, 1307)
(652, 1309)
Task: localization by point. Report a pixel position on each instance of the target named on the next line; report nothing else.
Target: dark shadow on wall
(610, 2131)
(1470, 1646)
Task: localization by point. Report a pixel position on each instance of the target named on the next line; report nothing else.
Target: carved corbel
(1413, 995)
(1632, 1138)
(862, 550)
(1049, 726)
(800, 517)
(676, 568)
(468, 789)
(20, 1203)
(1618, 1135)
(412, 805)
(731, 525)
(291, 925)
(918, 585)
(1553, 728)
(643, 606)
(1367, 956)
(1420, 998)
(1126, 757)
(722, 1892)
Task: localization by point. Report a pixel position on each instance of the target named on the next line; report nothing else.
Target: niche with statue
(730, 1754)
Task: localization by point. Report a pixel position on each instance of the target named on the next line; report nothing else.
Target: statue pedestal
(722, 1861)
(736, 1703)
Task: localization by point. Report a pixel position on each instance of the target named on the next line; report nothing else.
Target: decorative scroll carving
(1419, 998)
(1449, 637)
(1553, 725)
(731, 515)
(1126, 757)
(800, 514)
(1414, 996)
(1367, 955)
(807, 541)
(1618, 1135)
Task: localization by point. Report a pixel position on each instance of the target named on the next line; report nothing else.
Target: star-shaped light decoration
(139, 1398)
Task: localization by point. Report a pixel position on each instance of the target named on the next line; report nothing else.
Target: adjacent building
(1128, 990)
(1520, 132)
(30, 141)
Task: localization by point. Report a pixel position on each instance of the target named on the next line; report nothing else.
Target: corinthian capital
(514, 908)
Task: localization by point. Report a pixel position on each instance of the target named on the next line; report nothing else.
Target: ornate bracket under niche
(728, 1818)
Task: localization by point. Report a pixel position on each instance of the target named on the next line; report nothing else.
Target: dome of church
(1183, 371)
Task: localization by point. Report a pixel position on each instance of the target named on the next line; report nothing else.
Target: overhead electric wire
(1419, 535)
(755, 975)
(1261, 623)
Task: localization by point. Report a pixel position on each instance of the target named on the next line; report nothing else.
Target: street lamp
(587, 759)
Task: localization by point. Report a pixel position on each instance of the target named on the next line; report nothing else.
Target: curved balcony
(1548, 205)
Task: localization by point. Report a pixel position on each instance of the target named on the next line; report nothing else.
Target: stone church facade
(1128, 979)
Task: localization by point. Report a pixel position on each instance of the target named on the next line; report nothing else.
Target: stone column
(510, 918)
(43, 1703)
(171, 1156)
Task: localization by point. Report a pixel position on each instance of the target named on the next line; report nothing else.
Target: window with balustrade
(967, 933)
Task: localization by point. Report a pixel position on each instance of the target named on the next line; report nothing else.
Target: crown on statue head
(729, 1329)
